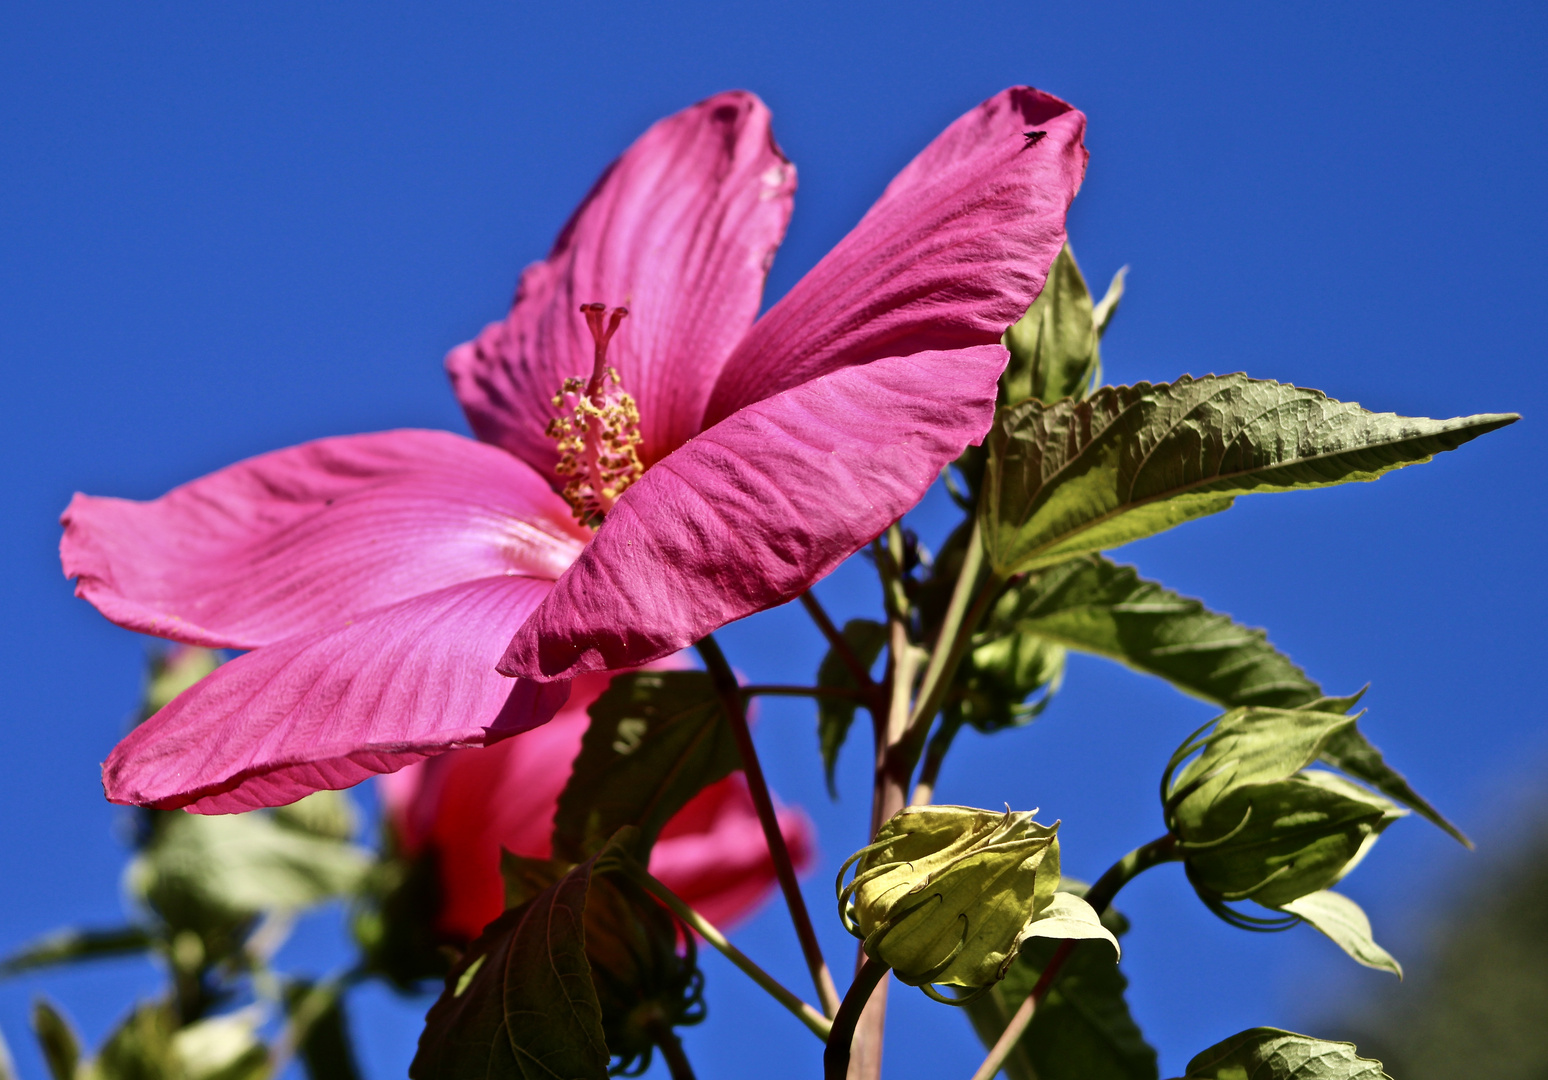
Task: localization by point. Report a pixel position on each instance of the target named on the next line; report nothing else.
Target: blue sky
(228, 228)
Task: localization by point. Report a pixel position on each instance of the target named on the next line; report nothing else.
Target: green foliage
(57, 1039)
(1271, 1054)
(317, 1010)
(865, 638)
(1342, 920)
(521, 1003)
(1082, 1030)
(71, 946)
(394, 920)
(1082, 476)
(997, 676)
(1349, 750)
(1054, 347)
(1091, 605)
(656, 739)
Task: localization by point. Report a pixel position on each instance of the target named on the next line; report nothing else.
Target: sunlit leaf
(1342, 920)
(1053, 347)
(1271, 1054)
(1091, 605)
(656, 739)
(865, 638)
(1083, 476)
(1107, 307)
(521, 1004)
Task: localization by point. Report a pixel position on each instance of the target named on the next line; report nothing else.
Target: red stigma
(601, 334)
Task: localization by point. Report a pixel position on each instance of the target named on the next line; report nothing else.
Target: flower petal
(299, 538)
(954, 251)
(328, 708)
(681, 229)
(753, 511)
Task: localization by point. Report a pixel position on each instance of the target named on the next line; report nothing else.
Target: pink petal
(681, 229)
(954, 251)
(753, 511)
(327, 708)
(297, 539)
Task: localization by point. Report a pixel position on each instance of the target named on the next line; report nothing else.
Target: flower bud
(1252, 822)
(946, 894)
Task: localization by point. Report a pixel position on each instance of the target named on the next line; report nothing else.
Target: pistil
(598, 429)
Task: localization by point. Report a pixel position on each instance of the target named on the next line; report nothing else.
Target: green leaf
(1082, 1030)
(1092, 605)
(1069, 917)
(1082, 476)
(174, 671)
(57, 1040)
(1053, 347)
(521, 1005)
(656, 739)
(1251, 745)
(224, 1047)
(1350, 751)
(1107, 307)
(1271, 1054)
(866, 638)
(204, 870)
(328, 814)
(317, 1010)
(71, 946)
(1342, 920)
(7, 1062)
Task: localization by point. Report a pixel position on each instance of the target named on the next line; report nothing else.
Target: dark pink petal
(752, 512)
(954, 251)
(327, 708)
(298, 539)
(681, 229)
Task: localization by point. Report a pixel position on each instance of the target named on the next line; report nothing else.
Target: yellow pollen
(598, 430)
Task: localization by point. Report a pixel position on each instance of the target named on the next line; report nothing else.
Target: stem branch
(1098, 896)
(836, 641)
(731, 698)
(819, 1024)
(835, 1059)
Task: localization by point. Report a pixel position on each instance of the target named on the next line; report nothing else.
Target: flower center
(598, 429)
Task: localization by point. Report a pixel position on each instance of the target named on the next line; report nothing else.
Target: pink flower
(466, 806)
(730, 462)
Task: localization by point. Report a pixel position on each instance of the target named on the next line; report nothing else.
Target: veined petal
(300, 538)
(681, 230)
(954, 251)
(327, 708)
(752, 512)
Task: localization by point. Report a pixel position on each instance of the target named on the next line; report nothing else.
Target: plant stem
(969, 600)
(1098, 896)
(935, 754)
(819, 1024)
(836, 641)
(672, 1050)
(835, 1060)
(731, 699)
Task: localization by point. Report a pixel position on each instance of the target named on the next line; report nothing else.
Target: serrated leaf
(1082, 476)
(1348, 749)
(1342, 920)
(57, 1040)
(71, 946)
(655, 740)
(1082, 1030)
(866, 638)
(1272, 1054)
(1053, 347)
(1094, 606)
(520, 1005)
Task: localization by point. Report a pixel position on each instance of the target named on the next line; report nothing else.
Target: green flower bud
(946, 893)
(1252, 822)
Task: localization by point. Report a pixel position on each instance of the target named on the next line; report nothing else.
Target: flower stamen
(598, 429)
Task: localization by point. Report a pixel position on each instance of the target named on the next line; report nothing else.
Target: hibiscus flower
(640, 480)
(465, 806)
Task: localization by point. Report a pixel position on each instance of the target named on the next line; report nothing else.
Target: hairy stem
(818, 1023)
(1098, 896)
(731, 699)
(835, 1059)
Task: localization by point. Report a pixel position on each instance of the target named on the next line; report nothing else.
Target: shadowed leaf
(834, 715)
(656, 739)
(1352, 752)
(1053, 347)
(520, 1005)
(1083, 476)
(57, 1040)
(71, 946)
